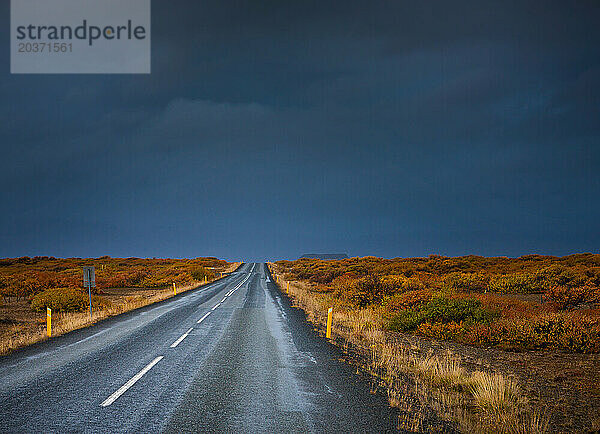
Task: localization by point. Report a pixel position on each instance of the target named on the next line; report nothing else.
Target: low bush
(560, 331)
(409, 300)
(406, 320)
(199, 273)
(412, 284)
(516, 283)
(65, 300)
(442, 310)
(400, 283)
(362, 291)
(466, 282)
(441, 331)
(565, 297)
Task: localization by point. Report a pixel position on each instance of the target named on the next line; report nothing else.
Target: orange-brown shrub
(362, 291)
(65, 300)
(466, 282)
(408, 300)
(569, 297)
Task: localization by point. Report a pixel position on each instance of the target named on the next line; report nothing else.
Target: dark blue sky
(272, 129)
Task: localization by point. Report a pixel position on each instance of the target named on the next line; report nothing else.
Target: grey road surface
(232, 356)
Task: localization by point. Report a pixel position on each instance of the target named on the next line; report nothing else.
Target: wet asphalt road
(232, 356)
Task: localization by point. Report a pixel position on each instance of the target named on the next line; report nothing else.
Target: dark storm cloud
(268, 129)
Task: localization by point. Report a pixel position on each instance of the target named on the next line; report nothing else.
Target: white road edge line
(203, 318)
(112, 398)
(216, 306)
(182, 337)
(224, 298)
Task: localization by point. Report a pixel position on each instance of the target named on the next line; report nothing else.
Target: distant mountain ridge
(329, 256)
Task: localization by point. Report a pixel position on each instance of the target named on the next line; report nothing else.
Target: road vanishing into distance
(231, 356)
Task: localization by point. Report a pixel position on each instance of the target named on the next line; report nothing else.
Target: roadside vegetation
(389, 310)
(29, 285)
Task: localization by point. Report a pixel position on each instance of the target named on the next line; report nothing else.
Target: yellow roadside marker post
(174, 289)
(288, 287)
(205, 279)
(49, 321)
(329, 318)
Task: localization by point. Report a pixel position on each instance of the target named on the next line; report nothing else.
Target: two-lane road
(231, 356)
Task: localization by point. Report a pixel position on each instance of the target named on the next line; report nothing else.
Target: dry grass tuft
(494, 392)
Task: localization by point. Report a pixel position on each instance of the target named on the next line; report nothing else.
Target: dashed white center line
(203, 318)
(112, 398)
(182, 337)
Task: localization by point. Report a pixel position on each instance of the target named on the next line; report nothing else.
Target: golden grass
(493, 392)
(479, 402)
(18, 336)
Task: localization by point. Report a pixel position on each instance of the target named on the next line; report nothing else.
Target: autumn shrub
(3, 287)
(569, 297)
(132, 277)
(565, 332)
(65, 300)
(363, 291)
(412, 284)
(199, 273)
(401, 283)
(466, 282)
(539, 281)
(558, 275)
(393, 283)
(408, 300)
(559, 331)
(515, 283)
(407, 320)
(135, 277)
(440, 330)
(343, 283)
(442, 310)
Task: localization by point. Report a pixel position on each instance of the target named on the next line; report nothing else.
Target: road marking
(232, 291)
(203, 318)
(112, 398)
(182, 337)
(88, 338)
